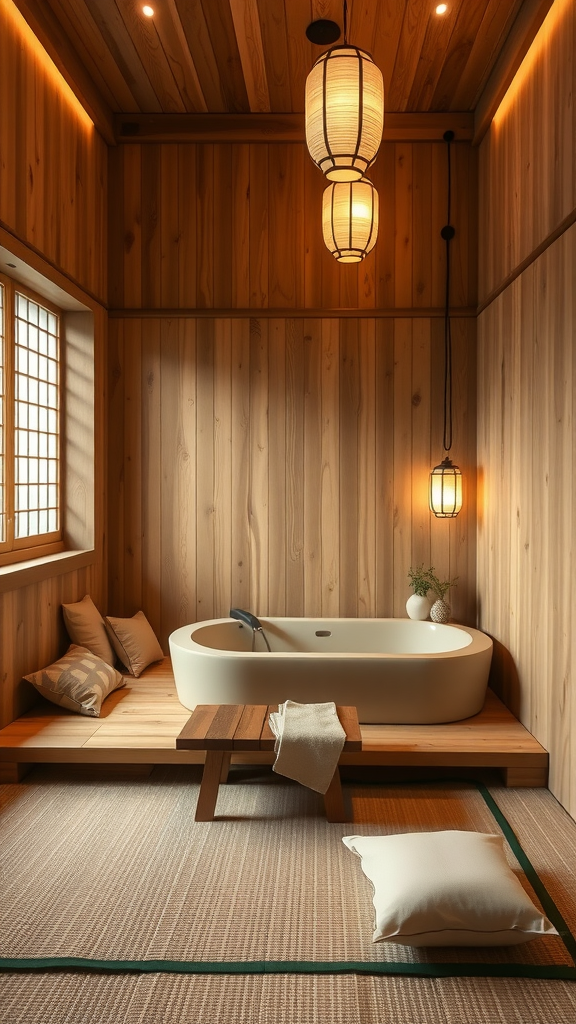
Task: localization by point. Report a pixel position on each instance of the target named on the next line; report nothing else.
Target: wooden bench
(222, 729)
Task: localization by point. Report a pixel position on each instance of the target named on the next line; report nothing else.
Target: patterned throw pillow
(79, 681)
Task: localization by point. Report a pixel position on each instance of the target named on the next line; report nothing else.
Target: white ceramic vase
(418, 607)
(440, 611)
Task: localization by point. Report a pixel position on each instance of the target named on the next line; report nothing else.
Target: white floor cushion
(446, 889)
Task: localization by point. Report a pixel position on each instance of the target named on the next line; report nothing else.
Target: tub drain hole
(323, 632)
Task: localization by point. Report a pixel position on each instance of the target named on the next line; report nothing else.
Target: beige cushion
(134, 641)
(86, 628)
(446, 889)
(79, 681)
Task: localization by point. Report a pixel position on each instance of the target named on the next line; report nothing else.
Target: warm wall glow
(541, 40)
(35, 48)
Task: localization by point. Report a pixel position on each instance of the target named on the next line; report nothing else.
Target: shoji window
(31, 399)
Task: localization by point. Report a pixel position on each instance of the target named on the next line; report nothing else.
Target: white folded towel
(309, 741)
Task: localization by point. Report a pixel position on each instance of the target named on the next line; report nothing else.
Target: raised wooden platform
(139, 725)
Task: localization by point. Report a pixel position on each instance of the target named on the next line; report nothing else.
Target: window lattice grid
(2, 421)
(37, 420)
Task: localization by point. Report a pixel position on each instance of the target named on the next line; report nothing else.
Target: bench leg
(209, 786)
(334, 800)
(225, 767)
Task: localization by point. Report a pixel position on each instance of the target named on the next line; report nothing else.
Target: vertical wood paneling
(330, 478)
(223, 496)
(204, 225)
(241, 567)
(284, 466)
(53, 168)
(526, 389)
(186, 271)
(527, 457)
(205, 569)
(384, 484)
(259, 460)
(277, 524)
(367, 469)
(159, 336)
(239, 226)
(53, 196)
(294, 466)
(312, 466)
(528, 159)
(348, 454)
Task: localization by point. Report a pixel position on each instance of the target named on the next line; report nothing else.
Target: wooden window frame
(13, 549)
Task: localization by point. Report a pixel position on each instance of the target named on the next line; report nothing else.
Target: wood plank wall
(526, 401)
(233, 226)
(53, 166)
(52, 199)
(279, 459)
(527, 159)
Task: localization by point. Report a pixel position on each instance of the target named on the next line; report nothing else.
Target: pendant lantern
(445, 490)
(344, 112)
(350, 219)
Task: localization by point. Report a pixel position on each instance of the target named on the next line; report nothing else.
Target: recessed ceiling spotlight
(441, 8)
(148, 11)
(323, 32)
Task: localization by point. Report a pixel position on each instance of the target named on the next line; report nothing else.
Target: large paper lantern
(344, 112)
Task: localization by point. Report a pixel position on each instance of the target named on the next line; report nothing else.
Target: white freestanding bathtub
(391, 670)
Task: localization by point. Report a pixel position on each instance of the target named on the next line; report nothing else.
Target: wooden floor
(139, 725)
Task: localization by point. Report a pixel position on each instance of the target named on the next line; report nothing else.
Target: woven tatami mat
(78, 998)
(120, 871)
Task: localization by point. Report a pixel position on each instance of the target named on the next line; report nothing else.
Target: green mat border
(444, 970)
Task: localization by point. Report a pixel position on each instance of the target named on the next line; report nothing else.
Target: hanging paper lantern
(350, 219)
(445, 490)
(344, 112)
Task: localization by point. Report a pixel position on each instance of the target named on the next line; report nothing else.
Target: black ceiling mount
(323, 32)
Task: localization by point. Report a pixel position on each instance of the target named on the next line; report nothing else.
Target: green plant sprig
(419, 579)
(440, 587)
(422, 580)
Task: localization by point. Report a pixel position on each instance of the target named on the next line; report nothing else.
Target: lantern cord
(345, 22)
(448, 235)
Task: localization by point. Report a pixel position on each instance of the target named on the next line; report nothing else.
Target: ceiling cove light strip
(550, 26)
(33, 45)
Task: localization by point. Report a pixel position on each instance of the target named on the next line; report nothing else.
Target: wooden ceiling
(252, 56)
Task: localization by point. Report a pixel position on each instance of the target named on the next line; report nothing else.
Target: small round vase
(418, 607)
(440, 611)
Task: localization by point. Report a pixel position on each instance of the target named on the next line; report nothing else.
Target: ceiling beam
(518, 41)
(51, 35)
(276, 127)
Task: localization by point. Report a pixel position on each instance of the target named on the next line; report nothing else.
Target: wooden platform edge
(144, 719)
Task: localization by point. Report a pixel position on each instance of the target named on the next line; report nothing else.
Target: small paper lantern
(350, 219)
(344, 112)
(445, 490)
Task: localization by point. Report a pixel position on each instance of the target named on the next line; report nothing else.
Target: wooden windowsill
(34, 570)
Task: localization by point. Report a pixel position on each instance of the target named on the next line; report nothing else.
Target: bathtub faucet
(252, 622)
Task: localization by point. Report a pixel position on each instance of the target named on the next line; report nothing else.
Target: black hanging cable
(448, 234)
(345, 22)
